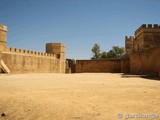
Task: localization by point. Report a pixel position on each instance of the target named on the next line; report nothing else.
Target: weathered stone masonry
(143, 50)
(112, 66)
(142, 55)
(22, 61)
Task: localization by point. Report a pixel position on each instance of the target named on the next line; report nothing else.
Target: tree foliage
(115, 53)
(96, 52)
(103, 55)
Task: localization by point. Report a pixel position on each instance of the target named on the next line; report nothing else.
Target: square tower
(129, 45)
(147, 36)
(3, 37)
(56, 48)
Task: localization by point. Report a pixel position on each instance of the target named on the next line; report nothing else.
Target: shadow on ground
(140, 76)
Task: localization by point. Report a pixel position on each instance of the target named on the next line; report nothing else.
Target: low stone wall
(23, 62)
(145, 62)
(112, 66)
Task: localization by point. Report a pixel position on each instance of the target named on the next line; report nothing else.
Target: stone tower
(147, 36)
(57, 49)
(3, 37)
(129, 45)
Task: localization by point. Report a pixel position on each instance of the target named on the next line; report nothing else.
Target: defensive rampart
(112, 66)
(145, 62)
(98, 66)
(22, 61)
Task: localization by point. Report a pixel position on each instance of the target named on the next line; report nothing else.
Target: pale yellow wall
(22, 61)
(3, 37)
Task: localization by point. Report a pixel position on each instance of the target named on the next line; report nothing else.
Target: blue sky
(76, 23)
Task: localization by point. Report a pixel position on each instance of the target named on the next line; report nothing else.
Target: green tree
(103, 55)
(118, 51)
(115, 53)
(111, 54)
(96, 52)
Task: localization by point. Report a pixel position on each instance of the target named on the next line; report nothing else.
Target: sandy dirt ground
(87, 96)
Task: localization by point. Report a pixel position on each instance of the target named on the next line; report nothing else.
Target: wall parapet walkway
(29, 52)
(22, 61)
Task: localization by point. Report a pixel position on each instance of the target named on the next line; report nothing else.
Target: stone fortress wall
(142, 55)
(146, 62)
(145, 37)
(23, 61)
(144, 50)
(102, 66)
(112, 66)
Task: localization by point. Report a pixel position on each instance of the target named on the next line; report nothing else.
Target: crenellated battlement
(146, 36)
(129, 38)
(148, 27)
(20, 60)
(29, 52)
(129, 44)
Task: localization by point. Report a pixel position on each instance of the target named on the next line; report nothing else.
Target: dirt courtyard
(87, 96)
